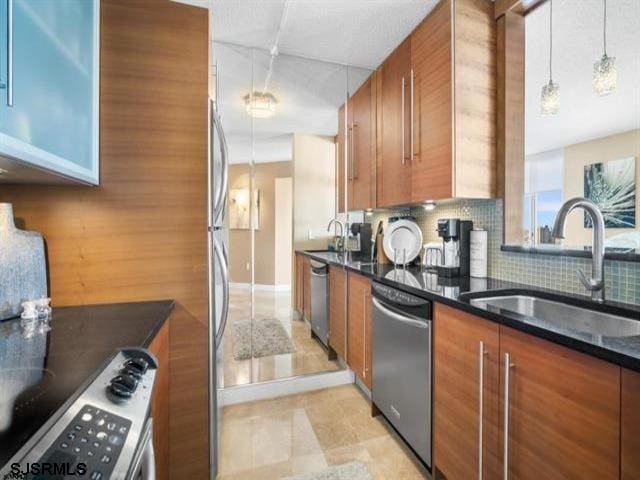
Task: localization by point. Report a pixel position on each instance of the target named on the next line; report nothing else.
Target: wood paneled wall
(141, 234)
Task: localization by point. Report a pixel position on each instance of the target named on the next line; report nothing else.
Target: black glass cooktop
(40, 370)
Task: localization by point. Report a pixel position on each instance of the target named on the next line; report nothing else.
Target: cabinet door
(341, 174)
(52, 121)
(338, 311)
(357, 326)
(299, 276)
(394, 174)
(431, 57)
(630, 425)
(362, 158)
(368, 341)
(563, 411)
(466, 379)
(306, 289)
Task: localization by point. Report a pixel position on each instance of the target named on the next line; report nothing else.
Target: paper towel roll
(478, 247)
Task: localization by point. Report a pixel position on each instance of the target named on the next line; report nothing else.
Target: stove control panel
(94, 439)
(102, 426)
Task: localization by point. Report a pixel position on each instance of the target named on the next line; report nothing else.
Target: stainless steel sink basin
(563, 317)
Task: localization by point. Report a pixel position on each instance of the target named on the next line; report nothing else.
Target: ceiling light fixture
(605, 74)
(550, 98)
(260, 105)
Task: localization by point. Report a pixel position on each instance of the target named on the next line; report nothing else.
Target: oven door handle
(407, 319)
(144, 464)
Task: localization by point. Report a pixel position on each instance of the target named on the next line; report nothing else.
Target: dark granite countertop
(40, 370)
(624, 351)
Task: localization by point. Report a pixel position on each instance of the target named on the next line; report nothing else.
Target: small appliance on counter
(456, 245)
(361, 245)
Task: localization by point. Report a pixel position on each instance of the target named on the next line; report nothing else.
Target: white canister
(478, 247)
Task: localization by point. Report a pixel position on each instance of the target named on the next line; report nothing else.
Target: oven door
(144, 460)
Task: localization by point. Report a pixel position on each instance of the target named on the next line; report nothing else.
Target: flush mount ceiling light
(550, 98)
(260, 105)
(605, 74)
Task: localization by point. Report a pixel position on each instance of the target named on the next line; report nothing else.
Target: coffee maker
(456, 241)
(362, 250)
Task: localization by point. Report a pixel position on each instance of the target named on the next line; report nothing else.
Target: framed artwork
(240, 208)
(612, 186)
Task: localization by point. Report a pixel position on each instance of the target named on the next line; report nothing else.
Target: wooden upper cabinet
(458, 363)
(338, 310)
(454, 92)
(362, 153)
(563, 411)
(394, 166)
(359, 327)
(630, 425)
(341, 183)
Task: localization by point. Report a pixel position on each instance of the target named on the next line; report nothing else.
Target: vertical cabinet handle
(9, 84)
(482, 354)
(411, 133)
(505, 460)
(402, 117)
(354, 133)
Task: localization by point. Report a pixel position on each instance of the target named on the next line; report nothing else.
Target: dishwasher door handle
(406, 319)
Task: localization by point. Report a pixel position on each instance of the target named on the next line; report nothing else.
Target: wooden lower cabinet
(338, 310)
(160, 402)
(458, 363)
(359, 327)
(563, 406)
(306, 288)
(564, 411)
(299, 283)
(630, 425)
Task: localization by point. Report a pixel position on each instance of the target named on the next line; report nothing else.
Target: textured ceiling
(577, 45)
(310, 76)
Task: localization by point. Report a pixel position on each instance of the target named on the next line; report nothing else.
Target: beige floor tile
(303, 433)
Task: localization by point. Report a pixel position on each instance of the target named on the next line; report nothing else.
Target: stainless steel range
(105, 431)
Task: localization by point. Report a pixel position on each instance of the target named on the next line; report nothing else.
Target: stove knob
(138, 365)
(123, 386)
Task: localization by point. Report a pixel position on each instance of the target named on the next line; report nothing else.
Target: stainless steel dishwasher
(320, 301)
(402, 364)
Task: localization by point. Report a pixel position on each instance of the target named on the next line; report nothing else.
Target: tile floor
(309, 356)
(303, 433)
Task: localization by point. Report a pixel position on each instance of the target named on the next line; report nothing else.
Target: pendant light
(550, 98)
(605, 75)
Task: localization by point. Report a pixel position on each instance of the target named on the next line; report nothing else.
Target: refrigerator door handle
(221, 195)
(221, 256)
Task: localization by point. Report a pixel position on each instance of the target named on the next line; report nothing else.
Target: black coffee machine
(362, 233)
(456, 241)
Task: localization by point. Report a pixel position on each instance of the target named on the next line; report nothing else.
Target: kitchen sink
(562, 316)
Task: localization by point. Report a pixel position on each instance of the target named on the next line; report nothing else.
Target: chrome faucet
(595, 284)
(337, 223)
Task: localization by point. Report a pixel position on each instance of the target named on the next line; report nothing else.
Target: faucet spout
(595, 283)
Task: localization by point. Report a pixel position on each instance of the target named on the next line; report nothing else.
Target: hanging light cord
(604, 28)
(550, 40)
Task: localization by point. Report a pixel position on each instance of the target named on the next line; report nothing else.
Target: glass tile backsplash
(549, 271)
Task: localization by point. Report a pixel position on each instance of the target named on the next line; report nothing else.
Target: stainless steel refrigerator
(218, 274)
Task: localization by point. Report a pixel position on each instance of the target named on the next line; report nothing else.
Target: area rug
(264, 338)
(348, 471)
